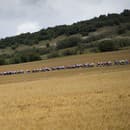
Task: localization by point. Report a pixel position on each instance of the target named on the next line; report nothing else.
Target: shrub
(121, 30)
(68, 42)
(107, 45)
(2, 61)
(122, 42)
(14, 46)
(24, 57)
(47, 45)
(53, 55)
(68, 52)
(43, 51)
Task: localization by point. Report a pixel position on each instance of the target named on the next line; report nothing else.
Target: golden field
(80, 99)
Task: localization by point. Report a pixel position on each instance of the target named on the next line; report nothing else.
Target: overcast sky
(19, 16)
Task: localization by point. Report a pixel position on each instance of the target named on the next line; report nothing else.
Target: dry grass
(93, 99)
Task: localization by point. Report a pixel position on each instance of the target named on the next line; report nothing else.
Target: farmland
(79, 99)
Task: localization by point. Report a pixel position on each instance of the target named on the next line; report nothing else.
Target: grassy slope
(92, 99)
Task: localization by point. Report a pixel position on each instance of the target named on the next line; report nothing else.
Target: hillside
(105, 33)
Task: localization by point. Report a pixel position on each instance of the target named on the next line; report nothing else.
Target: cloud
(18, 16)
(28, 27)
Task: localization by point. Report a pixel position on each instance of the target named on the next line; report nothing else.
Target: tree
(107, 45)
(2, 61)
(68, 42)
(47, 45)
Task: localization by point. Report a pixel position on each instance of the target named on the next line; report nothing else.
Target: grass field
(81, 99)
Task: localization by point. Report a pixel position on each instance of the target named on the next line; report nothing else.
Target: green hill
(105, 33)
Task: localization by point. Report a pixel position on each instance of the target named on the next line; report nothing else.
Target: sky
(21, 16)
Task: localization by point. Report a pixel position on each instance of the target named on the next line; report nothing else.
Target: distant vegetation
(105, 33)
(68, 42)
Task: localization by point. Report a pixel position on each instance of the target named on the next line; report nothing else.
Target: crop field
(79, 99)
